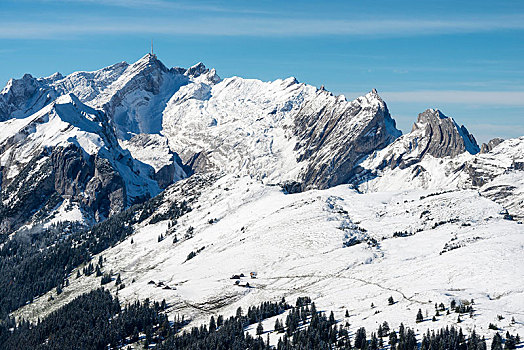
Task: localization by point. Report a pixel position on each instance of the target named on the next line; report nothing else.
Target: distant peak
(149, 57)
(373, 97)
(197, 70)
(448, 137)
(431, 114)
(148, 61)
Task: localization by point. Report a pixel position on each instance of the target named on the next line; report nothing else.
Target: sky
(465, 58)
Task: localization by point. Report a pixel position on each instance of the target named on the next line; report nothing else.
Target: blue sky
(463, 57)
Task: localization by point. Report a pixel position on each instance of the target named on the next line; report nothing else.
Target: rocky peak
(197, 70)
(335, 135)
(19, 88)
(147, 63)
(23, 97)
(444, 136)
(487, 147)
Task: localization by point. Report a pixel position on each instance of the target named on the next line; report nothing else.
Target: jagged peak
(432, 120)
(54, 76)
(196, 70)
(148, 61)
(200, 70)
(18, 86)
(487, 147)
(372, 98)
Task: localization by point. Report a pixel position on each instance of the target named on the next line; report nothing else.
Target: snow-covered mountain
(175, 122)
(276, 131)
(67, 154)
(439, 155)
(319, 195)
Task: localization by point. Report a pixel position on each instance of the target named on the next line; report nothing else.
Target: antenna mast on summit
(152, 47)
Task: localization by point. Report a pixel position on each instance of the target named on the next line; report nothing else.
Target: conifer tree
(393, 339)
(212, 324)
(420, 317)
(260, 328)
(385, 328)
(496, 344)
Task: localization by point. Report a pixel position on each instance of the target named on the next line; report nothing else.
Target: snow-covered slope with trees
(318, 195)
(344, 249)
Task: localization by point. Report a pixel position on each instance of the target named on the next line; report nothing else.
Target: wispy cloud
(161, 5)
(500, 98)
(255, 26)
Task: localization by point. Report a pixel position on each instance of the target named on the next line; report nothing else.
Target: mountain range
(316, 194)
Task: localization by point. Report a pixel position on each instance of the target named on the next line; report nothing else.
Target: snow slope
(457, 246)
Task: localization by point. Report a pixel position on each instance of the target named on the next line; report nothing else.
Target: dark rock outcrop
(444, 138)
(58, 174)
(335, 137)
(487, 147)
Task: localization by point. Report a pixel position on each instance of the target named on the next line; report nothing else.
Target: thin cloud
(158, 5)
(256, 26)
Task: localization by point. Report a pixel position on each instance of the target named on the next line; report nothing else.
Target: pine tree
(98, 271)
(331, 318)
(374, 342)
(393, 339)
(385, 328)
(118, 280)
(496, 344)
(260, 328)
(278, 326)
(212, 324)
(239, 312)
(420, 317)
(347, 313)
(391, 301)
(360, 338)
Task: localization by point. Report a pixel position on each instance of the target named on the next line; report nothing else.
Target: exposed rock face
(334, 135)
(433, 134)
(487, 147)
(444, 138)
(55, 175)
(66, 151)
(105, 193)
(278, 132)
